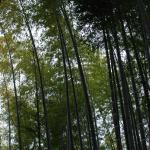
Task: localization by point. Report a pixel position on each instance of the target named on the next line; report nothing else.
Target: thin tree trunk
(90, 147)
(92, 106)
(114, 97)
(16, 96)
(37, 105)
(118, 85)
(143, 139)
(135, 92)
(73, 88)
(17, 103)
(89, 111)
(69, 124)
(40, 78)
(8, 109)
(139, 62)
(95, 122)
(145, 29)
(125, 91)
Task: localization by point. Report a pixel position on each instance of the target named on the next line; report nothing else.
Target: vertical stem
(15, 92)
(82, 81)
(118, 86)
(115, 112)
(73, 88)
(69, 124)
(37, 106)
(135, 92)
(125, 90)
(44, 101)
(8, 108)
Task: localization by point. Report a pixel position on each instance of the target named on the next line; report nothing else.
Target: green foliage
(42, 19)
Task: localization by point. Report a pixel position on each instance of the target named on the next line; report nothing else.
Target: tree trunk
(89, 111)
(125, 90)
(73, 87)
(69, 124)
(119, 88)
(143, 139)
(8, 109)
(37, 105)
(15, 92)
(135, 92)
(115, 112)
(40, 77)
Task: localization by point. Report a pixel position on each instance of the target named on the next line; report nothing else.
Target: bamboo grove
(74, 75)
